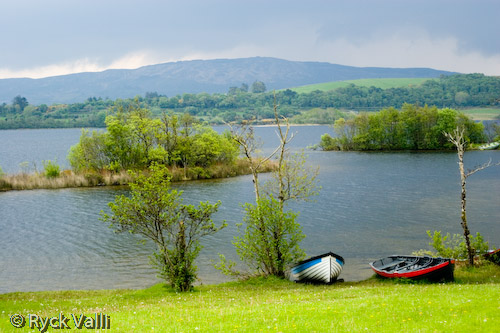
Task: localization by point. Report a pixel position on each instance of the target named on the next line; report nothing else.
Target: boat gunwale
(319, 257)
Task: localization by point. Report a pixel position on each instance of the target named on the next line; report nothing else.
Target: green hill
(378, 83)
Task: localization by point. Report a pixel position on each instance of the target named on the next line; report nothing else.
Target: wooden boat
(414, 267)
(324, 268)
(490, 146)
(493, 256)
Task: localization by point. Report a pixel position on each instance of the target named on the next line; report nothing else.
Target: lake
(371, 205)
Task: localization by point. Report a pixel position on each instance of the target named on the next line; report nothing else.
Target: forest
(241, 103)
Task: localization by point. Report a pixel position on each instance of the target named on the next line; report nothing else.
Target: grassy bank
(470, 304)
(67, 178)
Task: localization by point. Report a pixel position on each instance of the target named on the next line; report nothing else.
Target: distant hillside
(211, 76)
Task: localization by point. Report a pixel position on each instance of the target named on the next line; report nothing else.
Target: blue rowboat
(324, 268)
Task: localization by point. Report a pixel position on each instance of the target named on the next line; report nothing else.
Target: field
(378, 83)
(470, 304)
(483, 113)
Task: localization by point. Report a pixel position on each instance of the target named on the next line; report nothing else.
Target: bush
(51, 169)
(453, 246)
(156, 212)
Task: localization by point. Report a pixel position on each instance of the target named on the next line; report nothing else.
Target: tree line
(238, 104)
(411, 128)
(135, 140)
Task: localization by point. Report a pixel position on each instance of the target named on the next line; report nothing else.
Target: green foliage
(454, 246)
(156, 212)
(268, 240)
(1, 172)
(456, 91)
(135, 140)
(51, 169)
(258, 87)
(415, 128)
(269, 237)
(90, 153)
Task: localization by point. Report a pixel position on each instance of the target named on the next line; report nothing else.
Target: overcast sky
(54, 37)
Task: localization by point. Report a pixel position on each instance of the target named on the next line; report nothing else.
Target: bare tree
(244, 136)
(457, 138)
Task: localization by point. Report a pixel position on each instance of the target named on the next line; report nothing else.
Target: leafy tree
(91, 153)
(258, 87)
(244, 87)
(21, 102)
(269, 238)
(156, 212)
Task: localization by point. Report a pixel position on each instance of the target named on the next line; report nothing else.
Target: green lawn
(470, 304)
(379, 83)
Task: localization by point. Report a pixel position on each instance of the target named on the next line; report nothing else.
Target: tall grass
(25, 181)
(67, 178)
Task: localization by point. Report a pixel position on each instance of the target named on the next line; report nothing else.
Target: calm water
(371, 205)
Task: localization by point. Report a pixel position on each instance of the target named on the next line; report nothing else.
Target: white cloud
(80, 65)
(129, 61)
(400, 51)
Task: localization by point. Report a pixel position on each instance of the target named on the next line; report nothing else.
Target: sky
(56, 37)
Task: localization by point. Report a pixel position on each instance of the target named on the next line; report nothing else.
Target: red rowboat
(414, 267)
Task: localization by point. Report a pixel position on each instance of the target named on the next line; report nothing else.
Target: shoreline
(69, 179)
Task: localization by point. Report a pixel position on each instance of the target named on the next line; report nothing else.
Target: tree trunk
(465, 227)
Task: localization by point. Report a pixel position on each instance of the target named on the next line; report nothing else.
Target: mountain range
(196, 76)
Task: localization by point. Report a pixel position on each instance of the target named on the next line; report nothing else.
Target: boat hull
(413, 267)
(324, 268)
(493, 256)
(490, 146)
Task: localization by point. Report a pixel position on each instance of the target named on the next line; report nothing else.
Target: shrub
(453, 246)
(51, 169)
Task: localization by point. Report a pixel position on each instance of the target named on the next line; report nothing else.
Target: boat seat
(391, 264)
(414, 262)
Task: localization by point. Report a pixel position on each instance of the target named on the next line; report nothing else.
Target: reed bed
(67, 178)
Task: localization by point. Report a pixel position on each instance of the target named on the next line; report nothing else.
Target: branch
(481, 167)
(456, 137)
